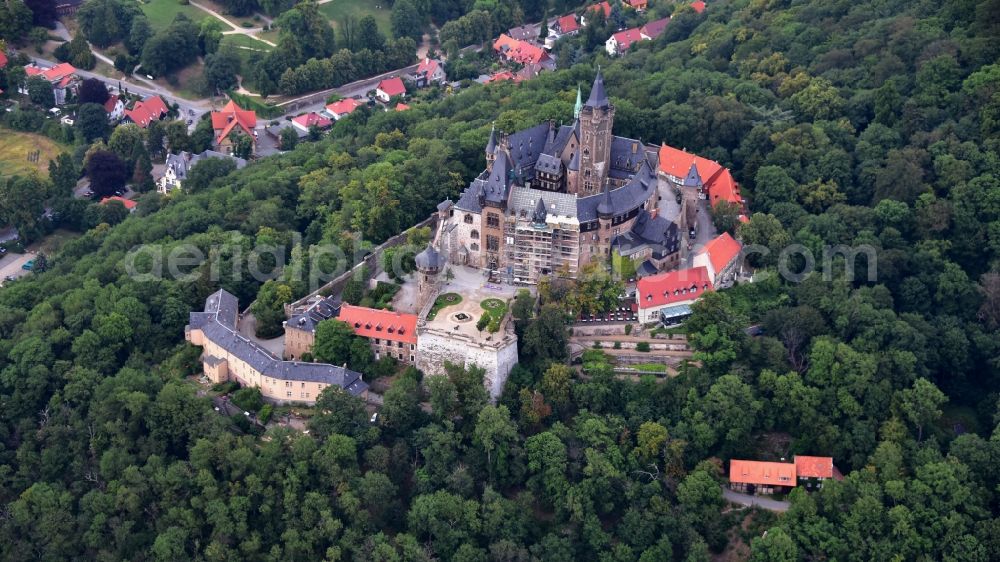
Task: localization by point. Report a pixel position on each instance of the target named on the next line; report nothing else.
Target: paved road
(758, 501)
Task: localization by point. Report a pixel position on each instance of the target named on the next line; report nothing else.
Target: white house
(342, 108)
(668, 296)
(720, 258)
(179, 165)
(429, 71)
(389, 88)
(115, 108)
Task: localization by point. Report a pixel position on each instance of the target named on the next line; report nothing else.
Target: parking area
(11, 266)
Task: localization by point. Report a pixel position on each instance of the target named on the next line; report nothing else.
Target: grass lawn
(357, 9)
(162, 12)
(648, 367)
(245, 41)
(52, 243)
(495, 309)
(443, 301)
(271, 36)
(16, 146)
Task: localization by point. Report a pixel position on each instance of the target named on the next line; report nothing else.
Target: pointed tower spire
(598, 97)
(538, 217)
(605, 209)
(579, 103)
(491, 147)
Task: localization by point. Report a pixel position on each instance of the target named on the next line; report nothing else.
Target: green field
(162, 12)
(358, 9)
(15, 148)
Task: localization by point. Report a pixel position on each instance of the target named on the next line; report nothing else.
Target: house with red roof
(402, 107)
(721, 258)
(114, 107)
(761, 477)
(230, 121)
(667, 297)
(390, 334)
(764, 477)
(146, 111)
(603, 7)
(713, 181)
(502, 76)
(698, 5)
(128, 203)
(342, 108)
(62, 77)
(521, 52)
(390, 88)
(428, 72)
(638, 5)
(307, 121)
(3, 59)
(620, 42)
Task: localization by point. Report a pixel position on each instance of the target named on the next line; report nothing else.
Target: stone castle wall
(434, 347)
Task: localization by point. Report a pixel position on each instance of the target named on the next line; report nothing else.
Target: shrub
(265, 413)
(597, 345)
(249, 399)
(628, 329)
(642, 346)
(618, 345)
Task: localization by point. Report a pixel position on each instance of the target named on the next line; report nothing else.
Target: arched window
(468, 218)
(474, 235)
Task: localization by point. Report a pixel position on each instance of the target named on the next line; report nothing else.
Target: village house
(114, 107)
(620, 42)
(763, 477)
(146, 111)
(342, 108)
(227, 355)
(698, 5)
(390, 88)
(667, 297)
(638, 5)
(307, 121)
(509, 49)
(721, 258)
(178, 166)
(428, 72)
(230, 121)
(62, 77)
(564, 26)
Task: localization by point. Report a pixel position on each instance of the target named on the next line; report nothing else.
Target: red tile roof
(637, 4)
(501, 77)
(61, 73)
(519, 51)
(428, 65)
(383, 324)
(146, 111)
(761, 472)
(626, 38)
(814, 467)
(3, 59)
(604, 6)
(698, 5)
(568, 23)
(312, 120)
(231, 116)
(402, 107)
(128, 203)
(672, 287)
(721, 250)
(392, 86)
(654, 28)
(718, 181)
(109, 105)
(344, 106)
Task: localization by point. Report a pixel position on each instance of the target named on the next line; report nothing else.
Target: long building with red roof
(766, 477)
(62, 77)
(668, 296)
(721, 258)
(713, 180)
(521, 52)
(146, 111)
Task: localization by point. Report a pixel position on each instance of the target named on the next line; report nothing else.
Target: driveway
(758, 501)
(11, 265)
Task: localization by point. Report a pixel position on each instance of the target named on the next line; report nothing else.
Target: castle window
(493, 219)
(474, 247)
(474, 235)
(468, 218)
(492, 243)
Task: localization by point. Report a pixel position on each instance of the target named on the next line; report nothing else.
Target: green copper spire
(579, 104)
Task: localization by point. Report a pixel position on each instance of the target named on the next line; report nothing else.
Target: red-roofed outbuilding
(389, 88)
(655, 293)
(339, 109)
(128, 203)
(721, 258)
(391, 334)
(761, 476)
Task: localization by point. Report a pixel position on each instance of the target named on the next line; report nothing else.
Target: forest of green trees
(846, 123)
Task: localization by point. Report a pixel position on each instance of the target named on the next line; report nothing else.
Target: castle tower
(579, 104)
(596, 119)
(491, 148)
(429, 265)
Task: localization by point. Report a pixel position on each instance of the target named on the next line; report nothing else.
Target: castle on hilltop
(555, 197)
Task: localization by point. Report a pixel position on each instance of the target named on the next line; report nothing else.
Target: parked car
(9, 278)
(28, 265)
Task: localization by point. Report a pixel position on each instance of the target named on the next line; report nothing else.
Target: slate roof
(183, 162)
(556, 204)
(218, 324)
(598, 96)
(633, 194)
(429, 259)
(657, 233)
(322, 309)
(548, 163)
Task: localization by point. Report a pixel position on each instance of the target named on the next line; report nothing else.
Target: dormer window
(391, 329)
(378, 328)
(368, 326)
(357, 325)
